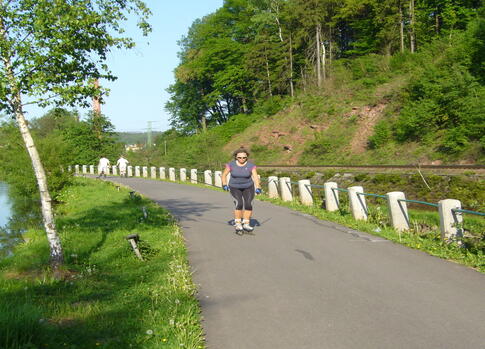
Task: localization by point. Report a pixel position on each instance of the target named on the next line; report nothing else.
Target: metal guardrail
(374, 195)
(478, 167)
(419, 202)
(468, 211)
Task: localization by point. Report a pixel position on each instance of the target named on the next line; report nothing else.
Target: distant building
(134, 147)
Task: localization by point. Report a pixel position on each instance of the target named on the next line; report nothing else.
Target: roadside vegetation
(107, 298)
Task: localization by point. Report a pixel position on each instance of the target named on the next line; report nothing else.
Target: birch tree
(50, 53)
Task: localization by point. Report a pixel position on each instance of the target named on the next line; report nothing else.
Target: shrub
(381, 136)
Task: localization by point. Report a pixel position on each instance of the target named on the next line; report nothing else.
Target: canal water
(8, 237)
(5, 205)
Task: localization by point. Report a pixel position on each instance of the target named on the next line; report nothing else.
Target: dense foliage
(252, 50)
(62, 139)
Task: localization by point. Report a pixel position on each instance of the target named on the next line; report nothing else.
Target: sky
(145, 72)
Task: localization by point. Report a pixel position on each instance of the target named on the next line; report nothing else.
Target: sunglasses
(242, 157)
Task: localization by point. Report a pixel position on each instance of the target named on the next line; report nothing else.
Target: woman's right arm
(224, 176)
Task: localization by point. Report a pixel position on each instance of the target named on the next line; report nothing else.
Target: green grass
(108, 298)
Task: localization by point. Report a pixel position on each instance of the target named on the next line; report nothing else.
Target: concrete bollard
(85, 169)
(331, 196)
(115, 170)
(130, 171)
(76, 169)
(398, 210)
(450, 221)
(357, 203)
(153, 172)
(208, 177)
(91, 169)
(163, 175)
(145, 171)
(273, 187)
(193, 176)
(171, 174)
(183, 174)
(306, 197)
(137, 171)
(218, 179)
(285, 189)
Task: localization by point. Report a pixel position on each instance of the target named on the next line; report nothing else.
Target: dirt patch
(367, 119)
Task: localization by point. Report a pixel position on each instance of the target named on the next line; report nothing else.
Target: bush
(381, 136)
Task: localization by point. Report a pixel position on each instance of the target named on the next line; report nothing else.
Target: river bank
(108, 298)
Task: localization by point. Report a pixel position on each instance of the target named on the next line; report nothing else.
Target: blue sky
(146, 71)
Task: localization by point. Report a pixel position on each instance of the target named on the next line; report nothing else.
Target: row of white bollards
(450, 220)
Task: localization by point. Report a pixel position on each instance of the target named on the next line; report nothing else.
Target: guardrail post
(137, 171)
(331, 196)
(398, 210)
(208, 177)
(285, 188)
(163, 175)
(153, 172)
(91, 169)
(357, 203)
(171, 174)
(76, 169)
(305, 190)
(450, 221)
(129, 172)
(85, 169)
(115, 170)
(145, 171)
(273, 187)
(193, 176)
(218, 179)
(183, 174)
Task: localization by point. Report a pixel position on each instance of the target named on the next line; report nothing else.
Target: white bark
(411, 24)
(319, 74)
(46, 201)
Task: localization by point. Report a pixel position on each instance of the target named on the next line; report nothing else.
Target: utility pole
(149, 133)
(96, 103)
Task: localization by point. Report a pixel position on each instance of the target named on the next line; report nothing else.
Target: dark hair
(240, 150)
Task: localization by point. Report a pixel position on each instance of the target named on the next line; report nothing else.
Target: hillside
(352, 82)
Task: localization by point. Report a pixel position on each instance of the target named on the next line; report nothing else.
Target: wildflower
(177, 301)
(149, 332)
(164, 339)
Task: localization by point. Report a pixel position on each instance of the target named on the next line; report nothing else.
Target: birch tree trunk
(401, 28)
(15, 102)
(319, 74)
(412, 34)
(292, 88)
(270, 88)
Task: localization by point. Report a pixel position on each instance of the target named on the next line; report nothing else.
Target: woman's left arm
(255, 176)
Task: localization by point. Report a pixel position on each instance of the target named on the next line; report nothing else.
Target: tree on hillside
(50, 52)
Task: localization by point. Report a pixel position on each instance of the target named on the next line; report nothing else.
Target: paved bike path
(299, 282)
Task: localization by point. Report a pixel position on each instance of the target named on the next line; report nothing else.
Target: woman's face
(242, 157)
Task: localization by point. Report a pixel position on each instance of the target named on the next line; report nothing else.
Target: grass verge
(108, 298)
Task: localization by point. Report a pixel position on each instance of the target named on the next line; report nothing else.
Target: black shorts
(243, 198)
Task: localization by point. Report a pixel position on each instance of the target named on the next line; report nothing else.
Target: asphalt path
(300, 282)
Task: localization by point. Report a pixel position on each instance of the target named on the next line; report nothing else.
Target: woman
(243, 184)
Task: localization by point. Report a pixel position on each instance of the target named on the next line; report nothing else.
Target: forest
(258, 57)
